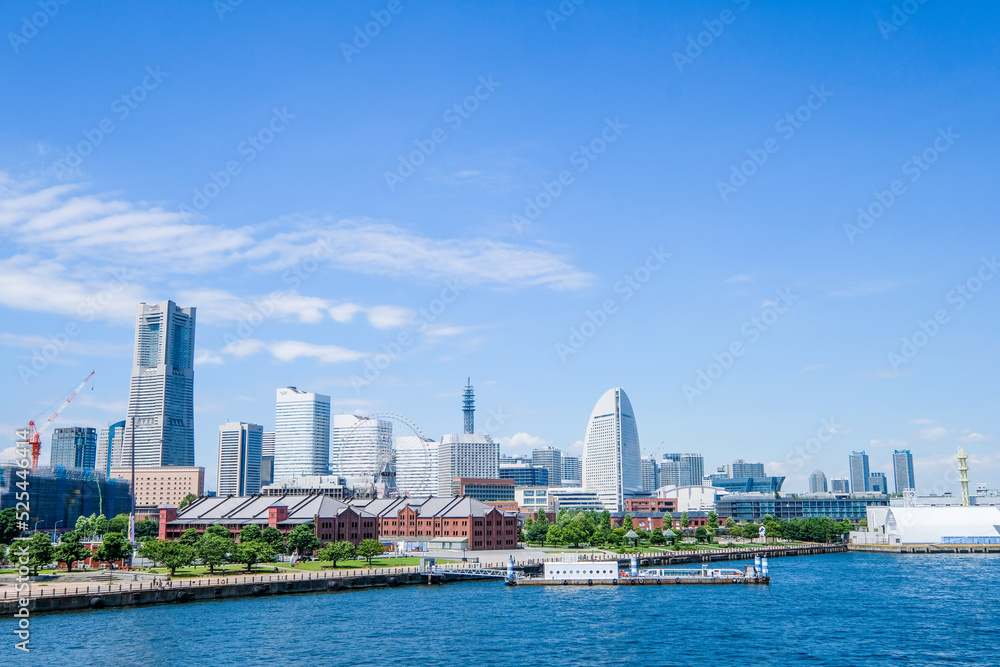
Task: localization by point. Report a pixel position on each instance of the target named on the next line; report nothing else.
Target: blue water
(838, 609)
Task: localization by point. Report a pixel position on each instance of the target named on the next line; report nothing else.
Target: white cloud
(206, 357)
(888, 442)
(974, 437)
(933, 433)
(389, 317)
(922, 421)
(344, 312)
(739, 278)
(521, 443)
(814, 367)
(290, 350)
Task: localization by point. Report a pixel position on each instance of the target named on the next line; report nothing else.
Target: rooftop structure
(469, 408)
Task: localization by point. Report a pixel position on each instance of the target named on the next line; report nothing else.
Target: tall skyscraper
(611, 456)
(239, 458)
(469, 408)
(572, 471)
(840, 485)
(650, 474)
(878, 482)
(466, 455)
(267, 458)
(358, 445)
(682, 469)
(817, 482)
(416, 466)
(902, 467)
(549, 458)
(859, 472)
(109, 447)
(301, 434)
(161, 394)
(74, 447)
(740, 469)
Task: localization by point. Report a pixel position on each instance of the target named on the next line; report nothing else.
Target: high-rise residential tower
(549, 458)
(859, 472)
(572, 471)
(358, 445)
(239, 459)
(682, 469)
(267, 458)
(741, 469)
(650, 474)
(878, 482)
(161, 394)
(109, 447)
(611, 456)
(466, 455)
(416, 466)
(817, 482)
(840, 485)
(301, 434)
(902, 466)
(74, 447)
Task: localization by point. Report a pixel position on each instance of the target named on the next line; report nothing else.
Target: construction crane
(34, 434)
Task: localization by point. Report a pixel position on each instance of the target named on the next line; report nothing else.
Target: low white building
(932, 525)
(692, 498)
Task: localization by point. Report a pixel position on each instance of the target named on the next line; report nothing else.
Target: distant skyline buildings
(301, 434)
(572, 471)
(611, 457)
(74, 447)
(742, 469)
(840, 485)
(549, 458)
(902, 468)
(467, 455)
(416, 466)
(817, 482)
(240, 445)
(109, 447)
(161, 392)
(878, 483)
(682, 469)
(358, 445)
(650, 474)
(858, 465)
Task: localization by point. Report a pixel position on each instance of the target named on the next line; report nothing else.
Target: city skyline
(311, 268)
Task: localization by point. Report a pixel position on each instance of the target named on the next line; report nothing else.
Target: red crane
(34, 435)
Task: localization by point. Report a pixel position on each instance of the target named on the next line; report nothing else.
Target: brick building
(660, 505)
(450, 520)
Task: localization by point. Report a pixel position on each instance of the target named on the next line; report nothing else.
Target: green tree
(40, 551)
(605, 520)
(114, 547)
(736, 531)
(69, 550)
(627, 522)
(119, 524)
(302, 539)
(574, 533)
(147, 528)
(273, 536)
(213, 550)
(84, 526)
(8, 525)
(251, 553)
(685, 520)
(713, 520)
(368, 549)
(750, 530)
(540, 528)
(701, 534)
(600, 536)
(186, 500)
(99, 524)
(863, 523)
(337, 551)
(175, 555)
(190, 537)
(730, 522)
(152, 550)
(250, 533)
(554, 536)
(221, 531)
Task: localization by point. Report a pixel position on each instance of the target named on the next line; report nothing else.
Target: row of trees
(98, 524)
(343, 550)
(70, 549)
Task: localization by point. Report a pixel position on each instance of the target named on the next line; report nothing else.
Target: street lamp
(54, 529)
(38, 522)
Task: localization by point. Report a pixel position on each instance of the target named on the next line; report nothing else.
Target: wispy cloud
(739, 278)
(291, 350)
(814, 367)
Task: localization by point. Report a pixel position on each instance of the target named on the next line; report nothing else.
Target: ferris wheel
(405, 462)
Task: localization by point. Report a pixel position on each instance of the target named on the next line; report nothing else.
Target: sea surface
(836, 609)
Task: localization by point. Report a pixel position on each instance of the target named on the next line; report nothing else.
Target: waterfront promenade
(55, 596)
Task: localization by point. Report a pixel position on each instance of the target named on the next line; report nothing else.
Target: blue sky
(257, 165)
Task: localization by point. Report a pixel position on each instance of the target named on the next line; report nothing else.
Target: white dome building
(935, 525)
(612, 465)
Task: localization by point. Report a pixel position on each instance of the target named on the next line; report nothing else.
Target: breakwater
(80, 596)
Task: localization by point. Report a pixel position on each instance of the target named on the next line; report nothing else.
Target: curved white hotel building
(611, 459)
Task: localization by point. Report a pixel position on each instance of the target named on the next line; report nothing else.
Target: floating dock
(572, 572)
